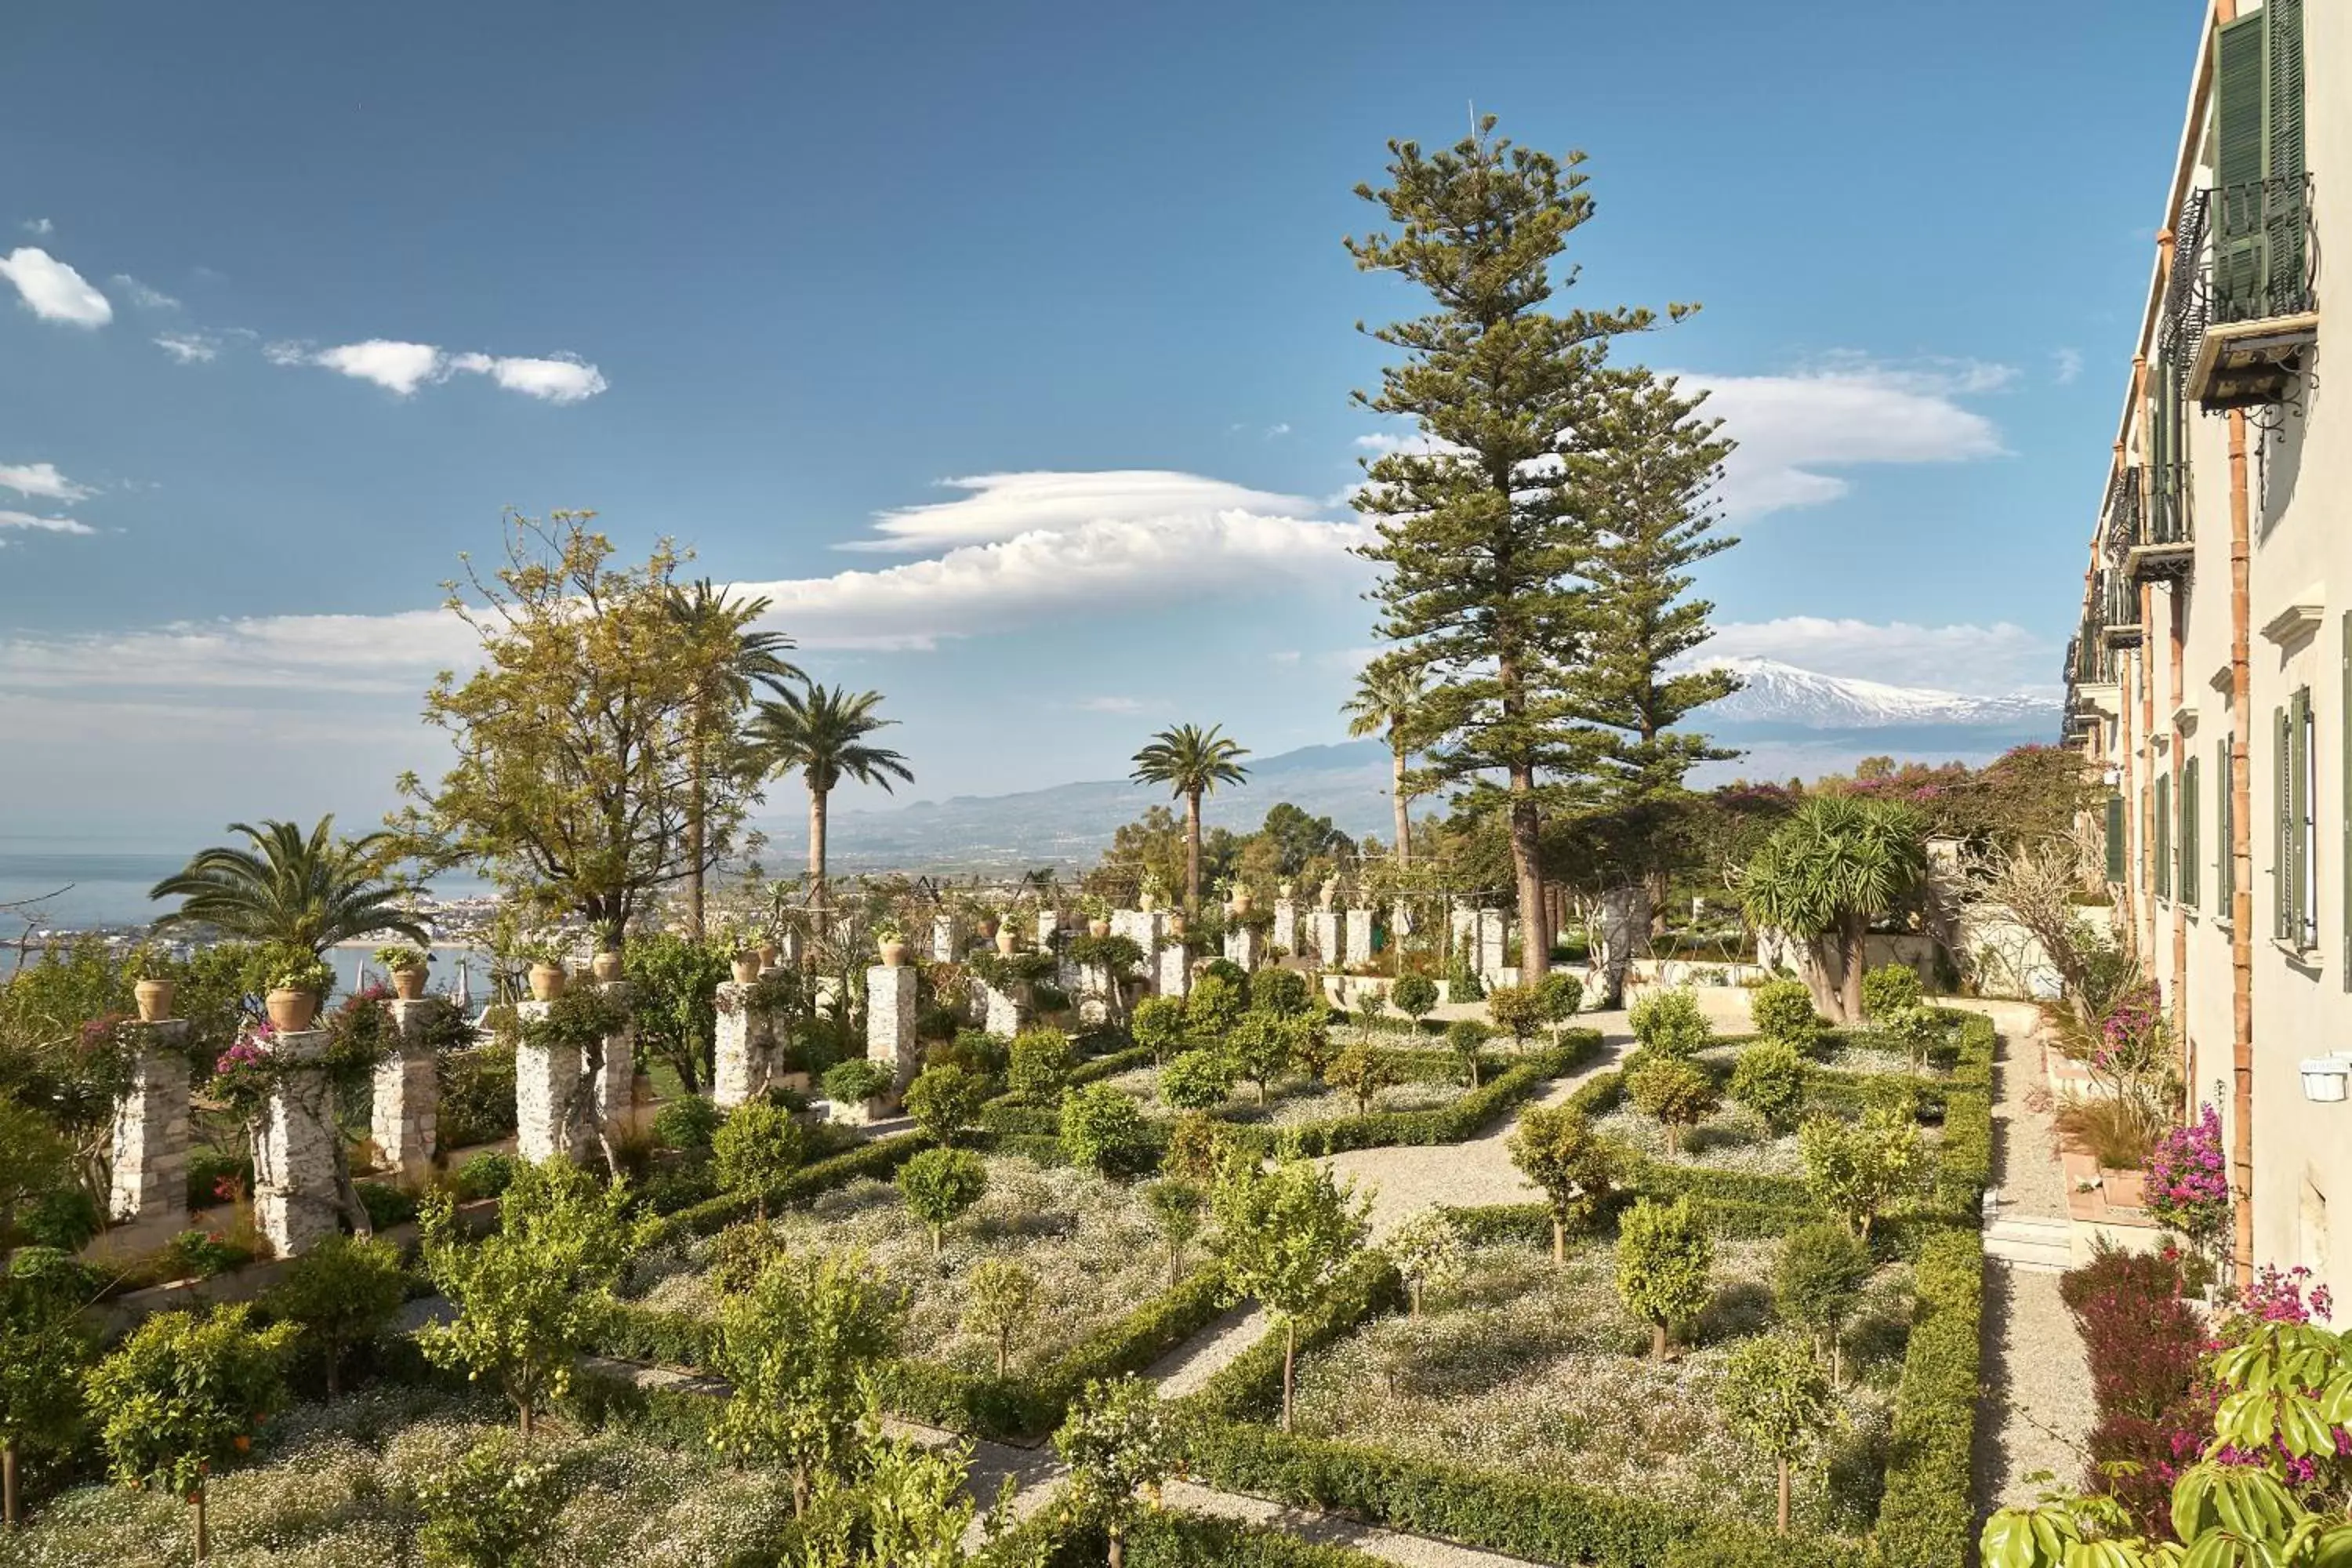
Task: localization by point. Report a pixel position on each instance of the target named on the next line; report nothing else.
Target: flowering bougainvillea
(242, 1074)
(2187, 1178)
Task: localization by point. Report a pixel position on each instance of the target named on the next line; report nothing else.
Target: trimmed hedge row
(1925, 1515)
(877, 1158)
(1167, 1539)
(1453, 1123)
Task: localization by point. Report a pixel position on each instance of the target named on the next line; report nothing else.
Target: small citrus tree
(944, 1099)
(1769, 1080)
(999, 1295)
(1858, 1169)
(1466, 1037)
(1783, 1010)
(1664, 1260)
(1670, 1022)
(1179, 1209)
(1428, 1249)
(43, 1353)
(1115, 1441)
(1555, 1147)
(1676, 1092)
(1415, 996)
(1774, 1396)
(939, 1185)
(1286, 1234)
(1821, 1275)
(1158, 1026)
(1560, 995)
(1517, 1011)
(342, 1292)
(1197, 1080)
(1103, 1128)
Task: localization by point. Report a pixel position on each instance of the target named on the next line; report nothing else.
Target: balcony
(2116, 604)
(2242, 313)
(2152, 523)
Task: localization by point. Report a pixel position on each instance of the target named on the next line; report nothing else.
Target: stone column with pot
(295, 1204)
(1051, 919)
(1330, 939)
(788, 952)
(612, 1089)
(1490, 948)
(947, 939)
(404, 1114)
(1246, 945)
(1007, 1010)
(742, 1049)
(1172, 963)
(150, 1131)
(1285, 926)
(547, 1094)
(1360, 936)
(890, 1024)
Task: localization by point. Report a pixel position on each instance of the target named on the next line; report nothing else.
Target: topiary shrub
(1158, 1026)
(1041, 1061)
(945, 1100)
(1197, 1081)
(939, 1185)
(1889, 989)
(685, 1124)
(1783, 1010)
(1769, 1080)
(855, 1082)
(1678, 1094)
(1415, 996)
(758, 1146)
(1282, 991)
(1669, 1023)
(1104, 1128)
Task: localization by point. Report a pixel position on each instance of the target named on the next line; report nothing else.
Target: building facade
(2211, 679)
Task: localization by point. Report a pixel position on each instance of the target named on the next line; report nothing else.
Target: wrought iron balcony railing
(2117, 602)
(2149, 529)
(2241, 304)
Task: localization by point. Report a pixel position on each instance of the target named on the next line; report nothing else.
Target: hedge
(1167, 1539)
(877, 1158)
(1455, 1123)
(1924, 1515)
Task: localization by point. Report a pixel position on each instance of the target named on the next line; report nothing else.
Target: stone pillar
(1285, 926)
(404, 1112)
(1400, 920)
(1490, 947)
(947, 939)
(1360, 936)
(1050, 920)
(1008, 1011)
(1246, 945)
(295, 1204)
(742, 1049)
(612, 1093)
(1461, 926)
(547, 1090)
(150, 1131)
(1330, 939)
(788, 950)
(890, 1022)
(1172, 967)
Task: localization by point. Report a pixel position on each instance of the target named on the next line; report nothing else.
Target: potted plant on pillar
(891, 941)
(1008, 930)
(739, 943)
(406, 963)
(548, 975)
(156, 993)
(1097, 912)
(607, 965)
(299, 980)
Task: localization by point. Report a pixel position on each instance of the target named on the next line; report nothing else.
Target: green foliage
(305, 891)
(687, 1124)
(35, 1160)
(184, 1394)
(1926, 1515)
(1116, 1442)
(895, 1504)
(945, 1100)
(799, 1347)
(1840, 862)
(1518, 1011)
(1821, 1275)
(1198, 1147)
(1920, 1030)
(1466, 1037)
(1783, 1010)
(1190, 761)
(1675, 1091)
(478, 1095)
(1414, 996)
(341, 1293)
(1285, 992)
(1889, 989)
(1362, 1071)
(855, 1082)
(939, 1185)
(486, 1175)
(757, 1147)
(1555, 1147)
(1665, 1263)
(490, 1509)
(998, 1297)
(43, 1351)
(528, 1295)
(1858, 1169)
(1197, 1080)
(1774, 1395)
(1428, 1249)
(1259, 1045)
(673, 993)
(1179, 1207)
(1104, 1128)
(1286, 1234)
(1560, 995)
(1669, 1022)
(1769, 1080)
(1158, 1026)
(1040, 1065)
(1215, 1006)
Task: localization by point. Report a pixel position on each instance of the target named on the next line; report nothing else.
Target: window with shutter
(2163, 836)
(2242, 134)
(2189, 833)
(2114, 839)
(2283, 238)
(2306, 855)
(2281, 838)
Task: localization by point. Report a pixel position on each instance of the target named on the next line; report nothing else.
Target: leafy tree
(1198, 1147)
(1260, 1047)
(799, 1347)
(1841, 862)
(939, 1185)
(822, 731)
(1518, 1010)
(1783, 1010)
(1213, 1007)
(1678, 1094)
(1821, 1275)
(1482, 534)
(183, 1396)
(341, 1293)
(1361, 1071)
(1197, 1080)
(1102, 1126)
(1428, 1249)
(673, 993)
(1889, 989)
(1555, 1147)
(307, 890)
(687, 1124)
(43, 1353)
(997, 1301)
(35, 1161)
(1670, 1022)
(894, 1504)
(734, 659)
(1859, 1169)
(856, 1080)
(1665, 1258)
(1292, 843)
(1158, 1026)
(945, 1098)
(1920, 1030)
(1286, 1234)
(758, 1146)
(1041, 1063)
(1774, 1396)
(1116, 1440)
(530, 1294)
(492, 1509)
(1178, 1207)
(1305, 1039)
(1559, 997)
(1769, 1080)
(1387, 700)
(1415, 996)
(1191, 762)
(1282, 992)
(1466, 1037)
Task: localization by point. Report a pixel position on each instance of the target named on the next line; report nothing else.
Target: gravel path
(1331, 1529)
(1186, 1368)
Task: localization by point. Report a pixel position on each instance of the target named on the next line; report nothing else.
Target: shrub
(2144, 1342)
(1428, 1249)
(1260, 1047)
(1561, 996)
(1555, 1147)
(1821, 1274)
(1782, 1010)
(1678, 1093)
(1198, 1146)
(1286, 1236)
(939, 1185)
(1859, 1170)
(1361, 1071)
(756, 1147)
(1415, 996)
(1664, 1260)
(1282, 991)
(1774, 1396)
(945, 1100)
(1040, 1065)
(1216, 1003)
(341, 1293)
(1518, 1010)
(43, 1353)
(1466, 1037)
(855, 1082)
(1669, 1023)
(1197, 1080)
(998, 1298)
(1158, 1026)
(1178, 1207)
(1104, 1128)
(478, 1095)
(685, 1123)
(1769, 1080)
(489, 1510)
(1117, 1443)
(486, 1175)
(1889, 989)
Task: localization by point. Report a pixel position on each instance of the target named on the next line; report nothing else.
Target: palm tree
(738, 660)
(1838, 864)
(822, 732)
(1190, 761)
(309, 891)
(1387, 693)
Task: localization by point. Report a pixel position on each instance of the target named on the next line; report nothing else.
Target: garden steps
(2032, 1241)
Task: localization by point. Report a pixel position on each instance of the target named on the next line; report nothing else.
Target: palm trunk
(817, 854)
(1192, 852)
(1404, 811)
(1857, 955)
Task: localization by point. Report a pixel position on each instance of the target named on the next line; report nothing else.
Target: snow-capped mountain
(1782, 694)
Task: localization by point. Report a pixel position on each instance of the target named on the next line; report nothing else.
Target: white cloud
(402, 367)
(397, 367)
(41, 479)
(394, 654)
(1979, 660)
(25, 519)
(141, 295)
(1108, 705)
(2066, 365)
(53, 290)
(1006, 506)
(189, 348)
(1277, 429)
(40, 226)
(565, 378)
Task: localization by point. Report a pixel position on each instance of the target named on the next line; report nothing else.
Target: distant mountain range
(1790, 722)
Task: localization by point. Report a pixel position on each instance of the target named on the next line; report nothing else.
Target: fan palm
(310, 890)
(1190, 761)
(1839, 863)
(822, 731)
(735, 659)
(1387, 694)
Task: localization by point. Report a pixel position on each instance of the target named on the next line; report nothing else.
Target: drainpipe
(2242, 854)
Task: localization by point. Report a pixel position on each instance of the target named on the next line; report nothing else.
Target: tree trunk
(203, 1531)
(937, 1231)
(1416, 1298)
(800, 1491)
(1837, 1357)
(1784, 1497)
(1192, 852)
(1289, 1368)
(1558, 1243)
(334, 1371)
(524, 1406)
(1658, 1340)
(1175, 1265)
(1403, 810)
(1857, 957)
(817, 854)
(1527, 850)
(8, 1483)
(1003, 1349)
(1118, 1546)
(695, 806)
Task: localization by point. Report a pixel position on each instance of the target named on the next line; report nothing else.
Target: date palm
(1387, 694)
(1824, 875)
(1191, 762)
(736, 660)
(310, 890)
(822, 731)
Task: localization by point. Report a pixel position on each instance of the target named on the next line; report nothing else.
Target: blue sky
(344, 283)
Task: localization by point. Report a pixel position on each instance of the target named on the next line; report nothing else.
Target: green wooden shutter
(2225, 831)
(2189, 833)
(2241, 87)
(2282, 232)
(2282, 844)
(2299, 806)
(2164, 836)
(2114, 839)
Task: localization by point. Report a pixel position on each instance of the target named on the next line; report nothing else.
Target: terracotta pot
(547, 982)
(1146, 902)
(894, 955)
(2125, 1189)
(1098, 928)
(989, 927)
(1007, 940)
(290, 1011)
(746, 970)
(606, 966)
(408, 984)
(767, 955)
(1242, 901)
(1176, 923)
(155, 999)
